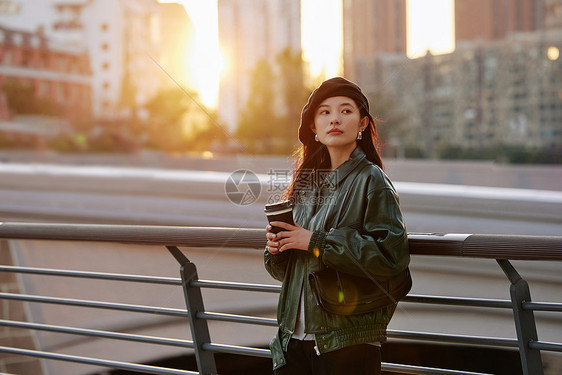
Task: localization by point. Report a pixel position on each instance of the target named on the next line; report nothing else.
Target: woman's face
(337, 121)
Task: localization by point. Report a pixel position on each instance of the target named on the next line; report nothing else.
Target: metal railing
(503, 248)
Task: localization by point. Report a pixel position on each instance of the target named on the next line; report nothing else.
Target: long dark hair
(313, 156)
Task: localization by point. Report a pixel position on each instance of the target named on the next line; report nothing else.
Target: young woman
(339, 154)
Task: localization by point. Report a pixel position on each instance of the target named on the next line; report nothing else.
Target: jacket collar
(341, 172)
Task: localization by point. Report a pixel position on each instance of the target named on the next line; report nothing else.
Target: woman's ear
(364, 123)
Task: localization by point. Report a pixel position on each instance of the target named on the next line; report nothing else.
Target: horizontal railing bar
(548, 346)
(472, 302)
(237, 318)
(515, 247)
(96, 304)
(92, 275)
(98, 333)
(539, 306)
(542, 306)
(457, 339)
(233, 349)
(96, 362)
(490, 246)
(137, 234)
(236, 286)
(419, 370)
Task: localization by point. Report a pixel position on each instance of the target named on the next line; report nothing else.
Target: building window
(43, 89)
(7, 58)
(17, 39)
(60, 93)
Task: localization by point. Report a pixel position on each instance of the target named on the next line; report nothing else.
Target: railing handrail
(491, 246)
(500, 247)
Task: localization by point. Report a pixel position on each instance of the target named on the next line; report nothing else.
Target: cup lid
(278, 206)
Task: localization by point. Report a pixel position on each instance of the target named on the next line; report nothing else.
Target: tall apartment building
(120, 38)
(371, 28)
(494, 20)
(482, 95)
(250, 31)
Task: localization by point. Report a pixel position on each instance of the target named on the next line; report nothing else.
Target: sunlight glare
(322, 36)
(207, 62)
(430, 27)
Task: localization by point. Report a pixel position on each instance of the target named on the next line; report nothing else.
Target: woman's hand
(292, 237)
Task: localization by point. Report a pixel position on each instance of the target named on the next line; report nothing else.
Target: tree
(22, 99)
(259, 124)
(176, 122)
(390, 123)
(269, 122)
(295, 94)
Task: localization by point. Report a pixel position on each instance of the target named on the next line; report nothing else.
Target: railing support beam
(194, 303)
(524, 320)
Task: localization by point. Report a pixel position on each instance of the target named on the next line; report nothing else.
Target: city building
(371, 28)
(484, 94)
(495, 20)
(121, 38)
(251, 31)
(43, 79)
(553, 14)
(500, 87)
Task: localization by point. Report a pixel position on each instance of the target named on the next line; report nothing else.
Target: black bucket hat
(337, 86)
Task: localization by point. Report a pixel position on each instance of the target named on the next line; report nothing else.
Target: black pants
(301, 359)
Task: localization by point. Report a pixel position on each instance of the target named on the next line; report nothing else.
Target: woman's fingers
(273, 250)
(269, 235)
(282, 225)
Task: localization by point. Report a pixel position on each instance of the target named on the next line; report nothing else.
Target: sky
(430, 27)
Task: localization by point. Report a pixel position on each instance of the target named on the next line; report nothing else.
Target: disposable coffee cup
(280, 211)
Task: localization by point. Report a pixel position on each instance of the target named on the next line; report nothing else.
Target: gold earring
(359, 136)
(316, 137)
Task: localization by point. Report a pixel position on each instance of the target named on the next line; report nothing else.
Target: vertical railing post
(194, 303)
(524, 320)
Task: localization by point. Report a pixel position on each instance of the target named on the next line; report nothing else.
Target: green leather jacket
(371, 229)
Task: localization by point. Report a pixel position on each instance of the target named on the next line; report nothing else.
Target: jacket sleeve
(378, 245)
(276, 264)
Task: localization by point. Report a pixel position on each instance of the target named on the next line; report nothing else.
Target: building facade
(121, 38)
(553, 14)
(495, 20)
(500, 87)
(58, 76)
(371, 28)
(251, 31)
(483, 95)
